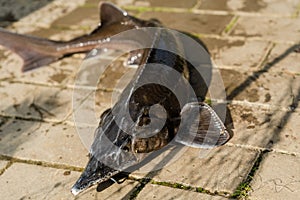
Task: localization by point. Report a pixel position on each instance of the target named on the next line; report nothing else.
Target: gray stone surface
(278, 89)
(38, 102)
(161, 192)
(273, 7)
(288, 139)
(2, 164)
(284, 59)
(23, 181)
(278, 177)
(59, 74)
(274, 29)
(191, 23)
(257, 127)
(167, 3)
(221, 169)
(55, 143)
(243, 54)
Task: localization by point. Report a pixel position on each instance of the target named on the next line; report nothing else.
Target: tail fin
(34, 51)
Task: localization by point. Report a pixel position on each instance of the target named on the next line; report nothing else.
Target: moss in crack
(172, 185)
(202, 190)
(231, 24)
(6, 167)
(244, 188)
(41, 163)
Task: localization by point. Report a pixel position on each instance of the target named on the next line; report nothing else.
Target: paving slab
(53, 143)
(221, 169)
(43, 17)
(274, 29)
(23, 181)
(239, 53)
(161, 192)
(166, 3)
(278, 177)
(256, 6)
(278, 89)
(256, 126)
(289, 138)
(191, 23)
(38, 102)
(283, 58)
(2, 165)
(14, 10)
(61, 73)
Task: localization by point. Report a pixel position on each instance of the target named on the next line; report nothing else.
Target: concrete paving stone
(2, 164)
(274, 29)
(87, 17)
(191, 23)
(161, 192)
(14, 10)
(244, 54)
(278, 177)
(54, 143)
(221, 169)
(60, 73)
(257, 127)
(43, 17)
(279, 89)
(257, 6)
(89, 111)
(77, 16)
(167, 3)
(29, 101)
(284, 59)
(289, 137)
(23, 181)
(95, 3)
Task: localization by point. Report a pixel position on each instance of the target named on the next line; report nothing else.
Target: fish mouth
(95, 172)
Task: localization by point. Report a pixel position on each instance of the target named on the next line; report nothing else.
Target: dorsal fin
(109, 13)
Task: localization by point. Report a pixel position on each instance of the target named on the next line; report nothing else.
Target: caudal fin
(34, 51)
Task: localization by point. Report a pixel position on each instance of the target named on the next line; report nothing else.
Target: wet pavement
(252, 44)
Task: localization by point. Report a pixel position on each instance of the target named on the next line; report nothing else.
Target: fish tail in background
(34, 51)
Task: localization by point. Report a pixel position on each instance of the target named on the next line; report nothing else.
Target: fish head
(109, 154)
(94, 173)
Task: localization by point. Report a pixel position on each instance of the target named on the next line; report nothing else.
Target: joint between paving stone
(242, 191)
(264, 60)
(41, 163)
(142, 183)
(230, 26)
(296, 12)
(6, 167)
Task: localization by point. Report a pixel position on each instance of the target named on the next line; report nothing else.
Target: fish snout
(95, 172)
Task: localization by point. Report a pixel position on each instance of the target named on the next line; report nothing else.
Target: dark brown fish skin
(113, 161)
(37, 52)
(139, 103)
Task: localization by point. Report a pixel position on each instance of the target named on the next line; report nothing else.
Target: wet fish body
(151, 104)
(37, 52)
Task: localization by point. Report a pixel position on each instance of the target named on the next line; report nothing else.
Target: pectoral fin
(201, 127)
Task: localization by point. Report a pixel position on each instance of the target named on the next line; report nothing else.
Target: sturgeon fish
(123, 138)
(37, 52)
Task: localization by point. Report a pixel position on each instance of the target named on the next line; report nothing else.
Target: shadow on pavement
(13, 10)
